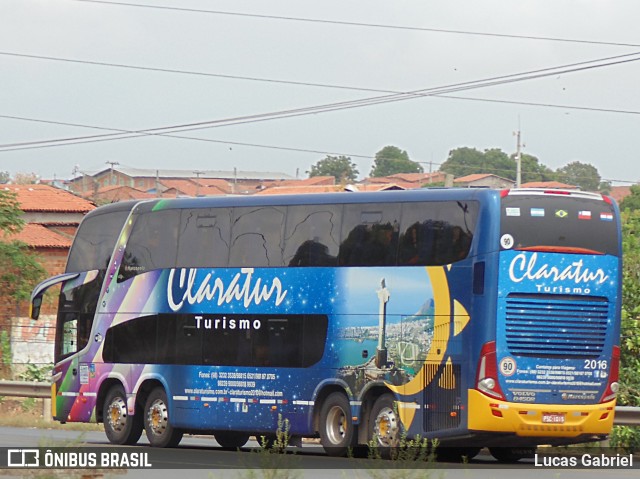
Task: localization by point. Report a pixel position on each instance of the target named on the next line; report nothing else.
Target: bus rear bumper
(543, 420)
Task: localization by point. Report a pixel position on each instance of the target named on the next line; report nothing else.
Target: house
(619, 193)
(408, 181)
(300, 190)
(194, 187)
(483, 180)
(552, 185)
(242, 182)
(114, 193)
(52, 217)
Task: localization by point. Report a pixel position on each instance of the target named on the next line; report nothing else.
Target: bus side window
(370, 235)
(204, 238)
(257, 236)
(436, 233)
(69, 332)
(312, 235)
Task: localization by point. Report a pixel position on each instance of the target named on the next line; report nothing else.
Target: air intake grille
(555, 325)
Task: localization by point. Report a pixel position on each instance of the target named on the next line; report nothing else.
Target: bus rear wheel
(336, 428)
(384, 425)
(512, 454)
(230, 439)
(157, 425)
(120, 427)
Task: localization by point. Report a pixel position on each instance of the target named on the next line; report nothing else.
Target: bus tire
(384, 425)
(231, 439)
(336, 428)
(160, 431)
(512, 454)
(120, 427)
(456, 454)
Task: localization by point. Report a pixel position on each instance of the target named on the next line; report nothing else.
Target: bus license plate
(552, 418)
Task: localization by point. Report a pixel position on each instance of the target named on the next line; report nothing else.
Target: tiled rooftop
(37, 236)
(44, 198)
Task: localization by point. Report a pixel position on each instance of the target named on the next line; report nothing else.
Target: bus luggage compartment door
(442, 396)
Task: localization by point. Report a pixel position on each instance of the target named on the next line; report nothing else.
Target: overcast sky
(207, 61)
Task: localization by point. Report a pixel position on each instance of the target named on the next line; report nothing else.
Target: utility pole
(518, 158)
(198, 173)
(112, 163)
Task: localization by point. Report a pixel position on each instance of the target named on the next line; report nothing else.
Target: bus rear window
(558, 224)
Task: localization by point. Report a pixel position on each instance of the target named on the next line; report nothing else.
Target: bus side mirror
(40, 289)
(34, 309)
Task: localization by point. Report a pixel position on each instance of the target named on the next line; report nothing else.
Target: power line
(306, 150)
(392, 97)
(189, 72)
(322, 152)
(360, 24)
(299, 83)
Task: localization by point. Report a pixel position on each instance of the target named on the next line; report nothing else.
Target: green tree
(584, 175)
(533, 170)
(498, 163)
(4, 177)
(392, 160)
(468, 161)
(340, 167)
(464, 161)
(631, 201)
(629, 393)
(19, 266)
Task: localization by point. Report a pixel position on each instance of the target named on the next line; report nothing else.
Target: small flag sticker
(561, 213)
(584, 215)
(606, 216)
(537, 212)
(513, 211)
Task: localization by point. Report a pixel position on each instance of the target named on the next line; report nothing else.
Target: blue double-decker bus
(474, 316)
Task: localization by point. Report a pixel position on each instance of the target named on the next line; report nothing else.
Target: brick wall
(54, 261)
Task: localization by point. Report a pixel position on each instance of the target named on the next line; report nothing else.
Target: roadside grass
(28, 413)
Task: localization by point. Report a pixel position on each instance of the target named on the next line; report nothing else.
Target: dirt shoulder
(28, 412)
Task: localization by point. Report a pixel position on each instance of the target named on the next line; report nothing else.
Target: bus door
(76, 311)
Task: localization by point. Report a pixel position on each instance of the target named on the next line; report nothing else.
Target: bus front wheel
(336, 428)
(120, 427)
(159, 430)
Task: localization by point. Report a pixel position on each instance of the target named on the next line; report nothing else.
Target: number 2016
(595, 364)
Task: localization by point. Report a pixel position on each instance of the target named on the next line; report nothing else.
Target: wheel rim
(157, 417)
(386, 427)
(336, 425)
(117, 414)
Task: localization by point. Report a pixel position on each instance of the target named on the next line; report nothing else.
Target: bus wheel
(159, 430)
(512, 454)
(384, 425)
(336, 428)
(456, 454)
(230, 439)
(120, 427)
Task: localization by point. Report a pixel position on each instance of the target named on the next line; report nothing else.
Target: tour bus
(478, 317)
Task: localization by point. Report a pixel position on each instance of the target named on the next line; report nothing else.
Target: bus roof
(430, 194)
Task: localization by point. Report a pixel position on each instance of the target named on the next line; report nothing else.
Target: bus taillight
(487, 375)
(612, 384)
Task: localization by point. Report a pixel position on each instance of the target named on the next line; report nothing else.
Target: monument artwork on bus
(477, 317)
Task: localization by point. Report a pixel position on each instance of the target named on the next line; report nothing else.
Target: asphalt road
(200, 456)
